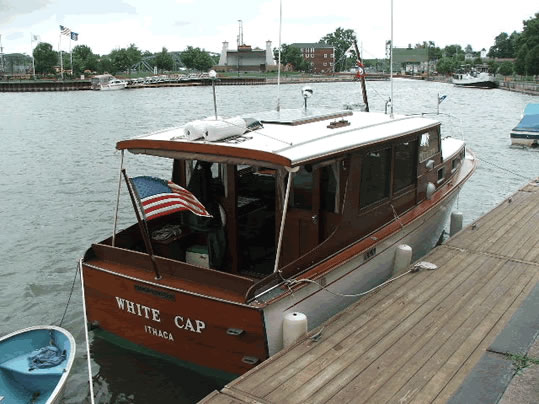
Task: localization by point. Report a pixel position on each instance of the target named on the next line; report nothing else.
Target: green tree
(163, 60)
(520, 62)
(494, 66)
(447, 65)
(504, 46)
(134, 56)
(120, 60)
(532, 61)
(196, 58)
(105, 65)
(453, 50)
(506, 68)
(45, 58)
(293, 56)
(83, 59)
(342, 40)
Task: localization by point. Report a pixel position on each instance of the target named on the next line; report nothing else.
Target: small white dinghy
(34, 364)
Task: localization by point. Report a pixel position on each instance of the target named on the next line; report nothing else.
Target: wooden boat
(306, 206)
(526, 133)
(34, 364)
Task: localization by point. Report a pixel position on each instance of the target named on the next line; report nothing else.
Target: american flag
(65, 31)
(74, 36)
(160, 197)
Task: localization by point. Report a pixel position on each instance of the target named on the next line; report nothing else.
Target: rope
(90, 379)
(70, 294)
(502, 168)
(291, 282)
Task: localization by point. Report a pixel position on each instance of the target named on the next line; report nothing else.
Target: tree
(196, 58)
(447, 65)
(163, 60)
(104, 65)
(504, 46)
(134, 56)
(83, 59)
(293, 56)
(120, 60)
(532, 61)
(453, 50)
(520, 62)
(342, 40)
(506, 68)
(45, 58)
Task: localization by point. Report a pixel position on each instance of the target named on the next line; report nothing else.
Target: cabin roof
(287, 138)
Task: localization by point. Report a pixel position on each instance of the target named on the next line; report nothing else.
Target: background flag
(443, 97)
(74, 36)
(35, 38)
(65, 30)
(160, 197)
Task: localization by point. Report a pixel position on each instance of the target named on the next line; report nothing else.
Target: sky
(104, 25)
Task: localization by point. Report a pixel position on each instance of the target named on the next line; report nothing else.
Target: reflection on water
(59, 173)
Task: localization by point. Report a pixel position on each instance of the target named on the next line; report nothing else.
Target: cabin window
(441, 174)
(302, 185)
(455, 164)
(405, 165)
(328, 188)
(375, 170)
(429, 144)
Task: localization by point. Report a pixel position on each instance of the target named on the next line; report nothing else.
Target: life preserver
(360, 70)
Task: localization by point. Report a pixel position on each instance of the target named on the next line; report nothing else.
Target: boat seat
(19, 364)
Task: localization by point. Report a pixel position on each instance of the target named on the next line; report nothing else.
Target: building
(246, 59)
(321, 56)
(410, 60)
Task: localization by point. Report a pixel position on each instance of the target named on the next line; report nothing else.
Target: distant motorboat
(526, 133)
(478, 77)
(108, 82)
(114, 84)
(34, 364)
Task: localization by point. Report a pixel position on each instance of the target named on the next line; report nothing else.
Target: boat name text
(183, 323)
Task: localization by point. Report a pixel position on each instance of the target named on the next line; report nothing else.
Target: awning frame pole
(291, 172)
(117, 200)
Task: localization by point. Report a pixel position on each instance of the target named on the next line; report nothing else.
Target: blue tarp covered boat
(34, 364)
(526, 133)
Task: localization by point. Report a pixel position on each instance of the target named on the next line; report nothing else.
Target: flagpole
(142, 224)
(70, 55)
(33, 59)
(61, 58)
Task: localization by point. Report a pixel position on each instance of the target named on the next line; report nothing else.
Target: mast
(391, 62)
(362, 77)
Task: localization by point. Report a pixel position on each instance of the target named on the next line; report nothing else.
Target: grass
(521, 362)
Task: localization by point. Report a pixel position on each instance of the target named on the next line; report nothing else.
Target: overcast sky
(104, 25)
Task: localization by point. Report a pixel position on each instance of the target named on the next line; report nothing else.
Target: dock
(448, 335)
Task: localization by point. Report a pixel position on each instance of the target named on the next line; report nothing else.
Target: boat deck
(418, 338)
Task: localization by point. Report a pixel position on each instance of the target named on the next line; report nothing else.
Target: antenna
(391, 63)
(279, 61)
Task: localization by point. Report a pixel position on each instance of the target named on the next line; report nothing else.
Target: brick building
(321, 56)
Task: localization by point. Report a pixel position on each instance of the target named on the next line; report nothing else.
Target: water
(59, 174)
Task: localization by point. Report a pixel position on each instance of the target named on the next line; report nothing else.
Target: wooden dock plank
(351, 320)
(343, 346)
(422, 341)
(358, 358)
(416, 339)
(465, 369)
(431, 377)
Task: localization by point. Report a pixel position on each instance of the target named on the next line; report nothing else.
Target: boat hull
(18, 383)
(525, 138)
(197, 330)
(476, 84)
